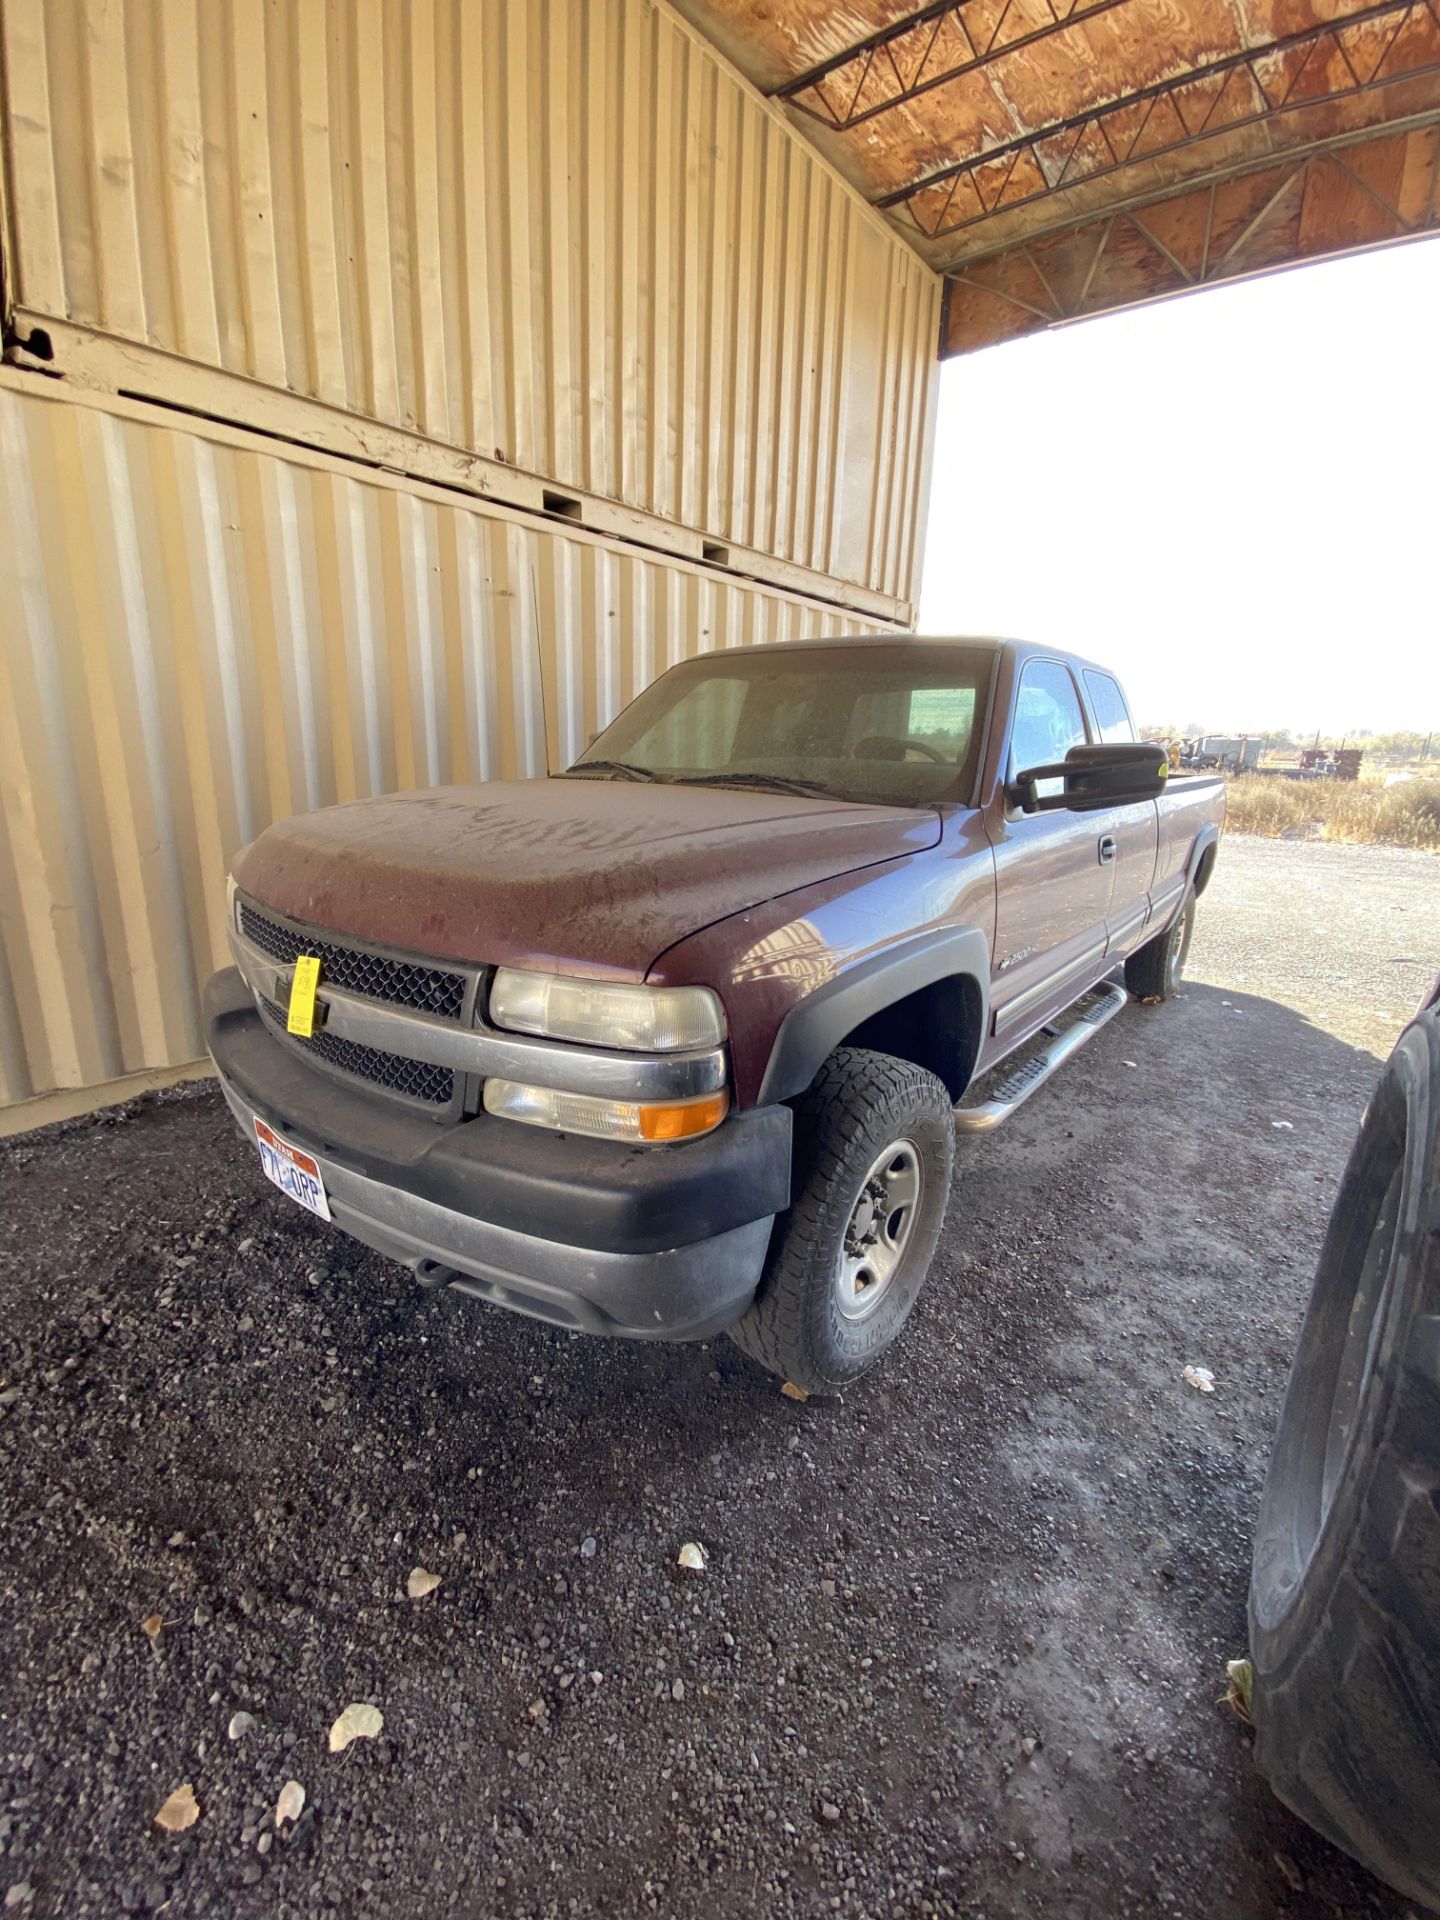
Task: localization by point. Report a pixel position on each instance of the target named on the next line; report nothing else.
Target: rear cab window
(1107, 703)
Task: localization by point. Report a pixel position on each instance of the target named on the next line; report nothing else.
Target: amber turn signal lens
(655, 1121)
(683, 1119)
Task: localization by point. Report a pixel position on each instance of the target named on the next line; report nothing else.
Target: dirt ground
(960, 1643)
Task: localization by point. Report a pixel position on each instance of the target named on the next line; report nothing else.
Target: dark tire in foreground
(874, 1148)
(1154, 971)
(1345, 1593)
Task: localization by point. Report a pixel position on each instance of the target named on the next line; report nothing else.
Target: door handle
(1107, 848)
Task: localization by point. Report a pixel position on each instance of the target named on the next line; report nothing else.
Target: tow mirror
(1109, 775)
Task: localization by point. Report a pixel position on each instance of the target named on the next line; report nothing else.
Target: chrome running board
(1015, 1084)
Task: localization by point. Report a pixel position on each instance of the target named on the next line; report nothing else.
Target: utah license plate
(292, 1170)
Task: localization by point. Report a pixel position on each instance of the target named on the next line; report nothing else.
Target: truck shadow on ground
(978, 1609)
(1165, 1209)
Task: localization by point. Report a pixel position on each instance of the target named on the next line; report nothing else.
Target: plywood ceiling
(1059, 158)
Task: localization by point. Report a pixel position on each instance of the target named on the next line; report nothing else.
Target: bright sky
(1232, 498)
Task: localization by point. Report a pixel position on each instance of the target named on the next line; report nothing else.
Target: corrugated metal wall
(524, 247)
(198, 636)
(558, 233)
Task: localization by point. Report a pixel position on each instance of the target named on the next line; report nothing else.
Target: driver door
(1053, 878)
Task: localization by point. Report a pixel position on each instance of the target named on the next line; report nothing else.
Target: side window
(1112, 716)
(1048, 720)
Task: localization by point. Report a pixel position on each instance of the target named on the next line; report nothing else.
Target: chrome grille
(416, 1079)
(403, 983)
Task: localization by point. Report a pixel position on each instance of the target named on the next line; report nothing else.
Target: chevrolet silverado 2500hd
(680, 1040)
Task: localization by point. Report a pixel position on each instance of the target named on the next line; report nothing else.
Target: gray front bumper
(678, 1293)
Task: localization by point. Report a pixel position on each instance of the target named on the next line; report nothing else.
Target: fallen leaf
(180, 1811)
(240, 1724)
(1291, 1872)
(291, 1803)
(792, 1392)
(152, 1625)
(420, 1583)
(357, 1722)
(1201, 1378)
(693, 1557)
(1239, 1691)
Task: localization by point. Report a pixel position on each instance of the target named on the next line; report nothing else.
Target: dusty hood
(599, 875)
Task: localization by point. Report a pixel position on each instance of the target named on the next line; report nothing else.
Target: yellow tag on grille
(301, 1017)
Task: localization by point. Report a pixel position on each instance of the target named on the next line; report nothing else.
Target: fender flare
(1207, 838)
(812, 1030)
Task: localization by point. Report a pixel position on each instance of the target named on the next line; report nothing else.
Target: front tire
(874, 1150)
(1154, 971)
(1345, 1592)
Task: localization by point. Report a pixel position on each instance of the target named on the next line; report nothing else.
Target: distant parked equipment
(1325, 763)
(1222, 752)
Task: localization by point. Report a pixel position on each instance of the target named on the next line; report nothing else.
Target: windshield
(890, 724)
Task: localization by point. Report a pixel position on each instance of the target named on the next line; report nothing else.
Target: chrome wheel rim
(880, 1228)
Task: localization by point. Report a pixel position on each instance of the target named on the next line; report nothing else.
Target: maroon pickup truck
(680, 1040)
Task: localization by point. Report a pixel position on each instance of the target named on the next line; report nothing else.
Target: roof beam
(1088, 151)
(870, 77)
(1304, 207)
(1140, 203)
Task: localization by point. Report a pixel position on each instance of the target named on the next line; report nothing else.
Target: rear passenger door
(1133, 831)
(1052, 887)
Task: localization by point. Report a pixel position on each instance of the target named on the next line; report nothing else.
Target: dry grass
(1407, 815)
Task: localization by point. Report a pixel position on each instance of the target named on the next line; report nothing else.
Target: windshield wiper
(776, 782)
(622, 767)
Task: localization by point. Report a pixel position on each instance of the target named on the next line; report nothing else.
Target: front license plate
(294, 1172)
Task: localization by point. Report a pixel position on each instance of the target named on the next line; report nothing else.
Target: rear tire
(1345, 1593)
(874, 1150)
(1154, 971)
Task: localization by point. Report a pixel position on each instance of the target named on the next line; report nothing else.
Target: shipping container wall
(561, 234)
(198, 636)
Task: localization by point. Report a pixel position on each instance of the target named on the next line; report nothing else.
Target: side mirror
(1113, 775)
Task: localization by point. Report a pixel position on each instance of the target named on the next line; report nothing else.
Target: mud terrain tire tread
(858, 1100)
(1345, 1601)
(1148, 971)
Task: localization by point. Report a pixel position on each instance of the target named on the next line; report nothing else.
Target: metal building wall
(198, 636)
(541, 243)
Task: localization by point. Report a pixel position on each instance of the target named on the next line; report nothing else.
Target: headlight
(654, 1121)
(598, 1013)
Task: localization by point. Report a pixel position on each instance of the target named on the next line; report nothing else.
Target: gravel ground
(960, 1640)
